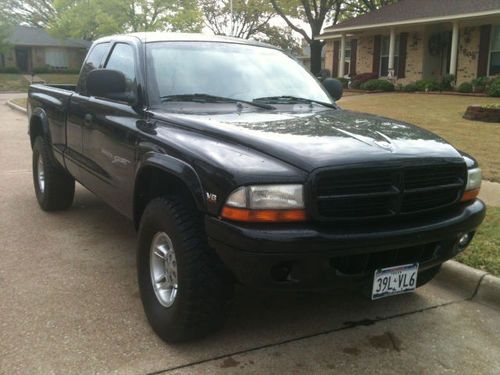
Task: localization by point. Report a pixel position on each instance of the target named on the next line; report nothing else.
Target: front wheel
(184, 286)
(54, 187)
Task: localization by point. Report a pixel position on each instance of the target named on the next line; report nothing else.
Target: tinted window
(92, 62)
(230, 70)
(122, 59)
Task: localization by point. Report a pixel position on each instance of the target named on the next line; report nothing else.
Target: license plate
(394, 280)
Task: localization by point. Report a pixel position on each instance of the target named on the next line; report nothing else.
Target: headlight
(474, 178)
(266, 203)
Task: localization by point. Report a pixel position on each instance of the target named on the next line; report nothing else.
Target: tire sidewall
(160, 317)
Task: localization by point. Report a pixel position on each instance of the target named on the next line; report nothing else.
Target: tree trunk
(316, 48)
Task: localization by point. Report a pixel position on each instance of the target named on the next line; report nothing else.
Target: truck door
(75, 122)
(109, 138)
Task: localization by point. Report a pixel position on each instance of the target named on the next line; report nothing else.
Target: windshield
(229, 70)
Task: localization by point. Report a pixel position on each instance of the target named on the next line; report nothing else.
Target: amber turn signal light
(470, 195)
(263, 216)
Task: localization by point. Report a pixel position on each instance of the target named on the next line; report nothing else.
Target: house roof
(34, 36)
(408, 10)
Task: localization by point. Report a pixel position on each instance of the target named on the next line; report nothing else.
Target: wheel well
(36, 129)
(152, 183)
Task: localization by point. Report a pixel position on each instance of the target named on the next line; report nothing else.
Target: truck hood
(315, 139)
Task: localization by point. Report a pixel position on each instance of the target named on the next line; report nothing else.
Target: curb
(16, 107)
(473, 284)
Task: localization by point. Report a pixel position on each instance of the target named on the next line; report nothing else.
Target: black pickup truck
(237, 166)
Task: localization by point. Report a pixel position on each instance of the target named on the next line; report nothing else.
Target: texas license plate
(394, 280)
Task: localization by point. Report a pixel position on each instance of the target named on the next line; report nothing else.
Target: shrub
(447, 82)
(359, 79)
(10, 70)
(465, 87)
(411, 87)
(428, 85)
(41, 69)
(479, 84)
(378, 85)
(344, 81)
(494, 88)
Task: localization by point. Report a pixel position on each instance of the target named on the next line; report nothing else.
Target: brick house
(418, 39)
(32, 47)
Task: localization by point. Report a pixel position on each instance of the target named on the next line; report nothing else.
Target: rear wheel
(184, 286)
(54, 187)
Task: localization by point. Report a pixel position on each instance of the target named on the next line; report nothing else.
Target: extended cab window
(122, 59)
(92, 62)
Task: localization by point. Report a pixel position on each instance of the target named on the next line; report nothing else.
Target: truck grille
(378, 192)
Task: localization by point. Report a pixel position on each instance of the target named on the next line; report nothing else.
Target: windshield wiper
(206, 98)
(290, 99)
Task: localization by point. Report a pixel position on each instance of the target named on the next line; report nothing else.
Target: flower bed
(488, 113)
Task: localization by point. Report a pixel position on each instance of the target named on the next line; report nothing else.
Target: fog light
(463, 241)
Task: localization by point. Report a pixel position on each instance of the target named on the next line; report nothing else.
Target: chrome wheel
(163, 267)
(40, 172)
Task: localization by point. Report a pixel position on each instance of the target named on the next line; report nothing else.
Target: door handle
(87, 119)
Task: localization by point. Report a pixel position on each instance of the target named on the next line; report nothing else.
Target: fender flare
(42, 116)
(177, 168)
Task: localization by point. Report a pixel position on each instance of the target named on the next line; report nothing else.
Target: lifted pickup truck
(236, 165)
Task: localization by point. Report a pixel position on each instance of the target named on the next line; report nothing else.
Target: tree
(314, 13)
(90, 19)
(31, 12)
(281, 37)
(246, 18)
(354, 8)
(4, 33)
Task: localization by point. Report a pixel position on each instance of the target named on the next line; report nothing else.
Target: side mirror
(334, 87)
(111, 84)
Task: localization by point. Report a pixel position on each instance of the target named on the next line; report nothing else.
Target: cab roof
(152, 37)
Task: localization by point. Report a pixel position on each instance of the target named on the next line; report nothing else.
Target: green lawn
(441, 114)
(13, 82)
(17, 82)
(20, 102)
(484, 251)
(60, 78)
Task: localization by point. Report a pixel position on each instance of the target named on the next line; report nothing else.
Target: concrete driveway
(69, 303)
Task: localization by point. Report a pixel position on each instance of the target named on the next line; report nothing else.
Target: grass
(13, 83)
(484, 251)
(441, 114)
(20, 102)
(17, 82)
(59, 78)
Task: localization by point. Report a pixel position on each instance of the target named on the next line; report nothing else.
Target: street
(69, 303)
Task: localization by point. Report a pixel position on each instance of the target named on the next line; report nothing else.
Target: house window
(347, 64)
(56, 58)
(384, 56)
(495, 51)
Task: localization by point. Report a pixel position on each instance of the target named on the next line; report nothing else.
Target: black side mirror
(111, 84)
(334, 87)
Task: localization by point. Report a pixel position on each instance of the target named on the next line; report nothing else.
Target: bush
(479, 84)
(41, 69)
(344, 81)
(359, 79)
(47, 69)
(428, 85)
(10, 70)
(411, 87)
(447, 82)
(378, 85)
(465, 87)
(494, 88)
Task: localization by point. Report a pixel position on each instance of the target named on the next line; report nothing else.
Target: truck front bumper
(309, 256)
